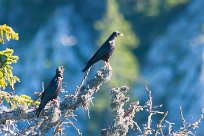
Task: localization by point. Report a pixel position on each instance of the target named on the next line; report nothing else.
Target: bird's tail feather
(87, 67)
(38, 111)
(41, 107)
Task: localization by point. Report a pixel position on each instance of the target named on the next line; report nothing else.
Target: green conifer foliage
(7, 58)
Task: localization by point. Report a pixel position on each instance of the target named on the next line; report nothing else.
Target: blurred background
(162, 45)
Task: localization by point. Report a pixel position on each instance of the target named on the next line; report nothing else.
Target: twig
(183, 120)
(40, 94)
(196, 124)
(31, 128)
(82, 82)
(85, 77)
(169, 127)
(59, 124)
(148, 129)
(71, 123)
(138, 127)
(159, 126)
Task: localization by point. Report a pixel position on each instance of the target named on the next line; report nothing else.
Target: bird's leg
(106, 63)
(56, 100)
(53, 101)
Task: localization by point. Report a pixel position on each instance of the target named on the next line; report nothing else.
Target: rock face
(175, 67)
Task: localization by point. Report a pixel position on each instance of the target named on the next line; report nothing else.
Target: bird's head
(116, 34)
(60, 71)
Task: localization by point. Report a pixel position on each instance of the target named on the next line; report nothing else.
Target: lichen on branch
(123, 119)
(54, 116)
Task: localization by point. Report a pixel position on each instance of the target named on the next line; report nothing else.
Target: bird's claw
(56, 100)
(106, 64)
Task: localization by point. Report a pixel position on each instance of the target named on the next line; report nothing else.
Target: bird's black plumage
(104, 52)
(52, 91)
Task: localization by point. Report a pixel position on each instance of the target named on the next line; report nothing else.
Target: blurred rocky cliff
(174, 65)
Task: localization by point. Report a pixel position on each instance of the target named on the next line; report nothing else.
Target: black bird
(104, 52)
(52, 91)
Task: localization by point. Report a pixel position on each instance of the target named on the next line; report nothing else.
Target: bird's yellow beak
(121, 34)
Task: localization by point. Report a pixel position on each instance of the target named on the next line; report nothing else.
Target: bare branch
(183, 120)
(159, 125)
(148, 129)
(82, 82)
(169, 127)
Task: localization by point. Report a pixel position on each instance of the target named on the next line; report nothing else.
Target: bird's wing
(45, 95)
(102, 51)
(54, 87)
(48, 92)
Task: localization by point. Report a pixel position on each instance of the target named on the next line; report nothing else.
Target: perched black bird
(104, 52)
(52, 91)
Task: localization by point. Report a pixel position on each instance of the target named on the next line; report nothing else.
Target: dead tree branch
(53, 112)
